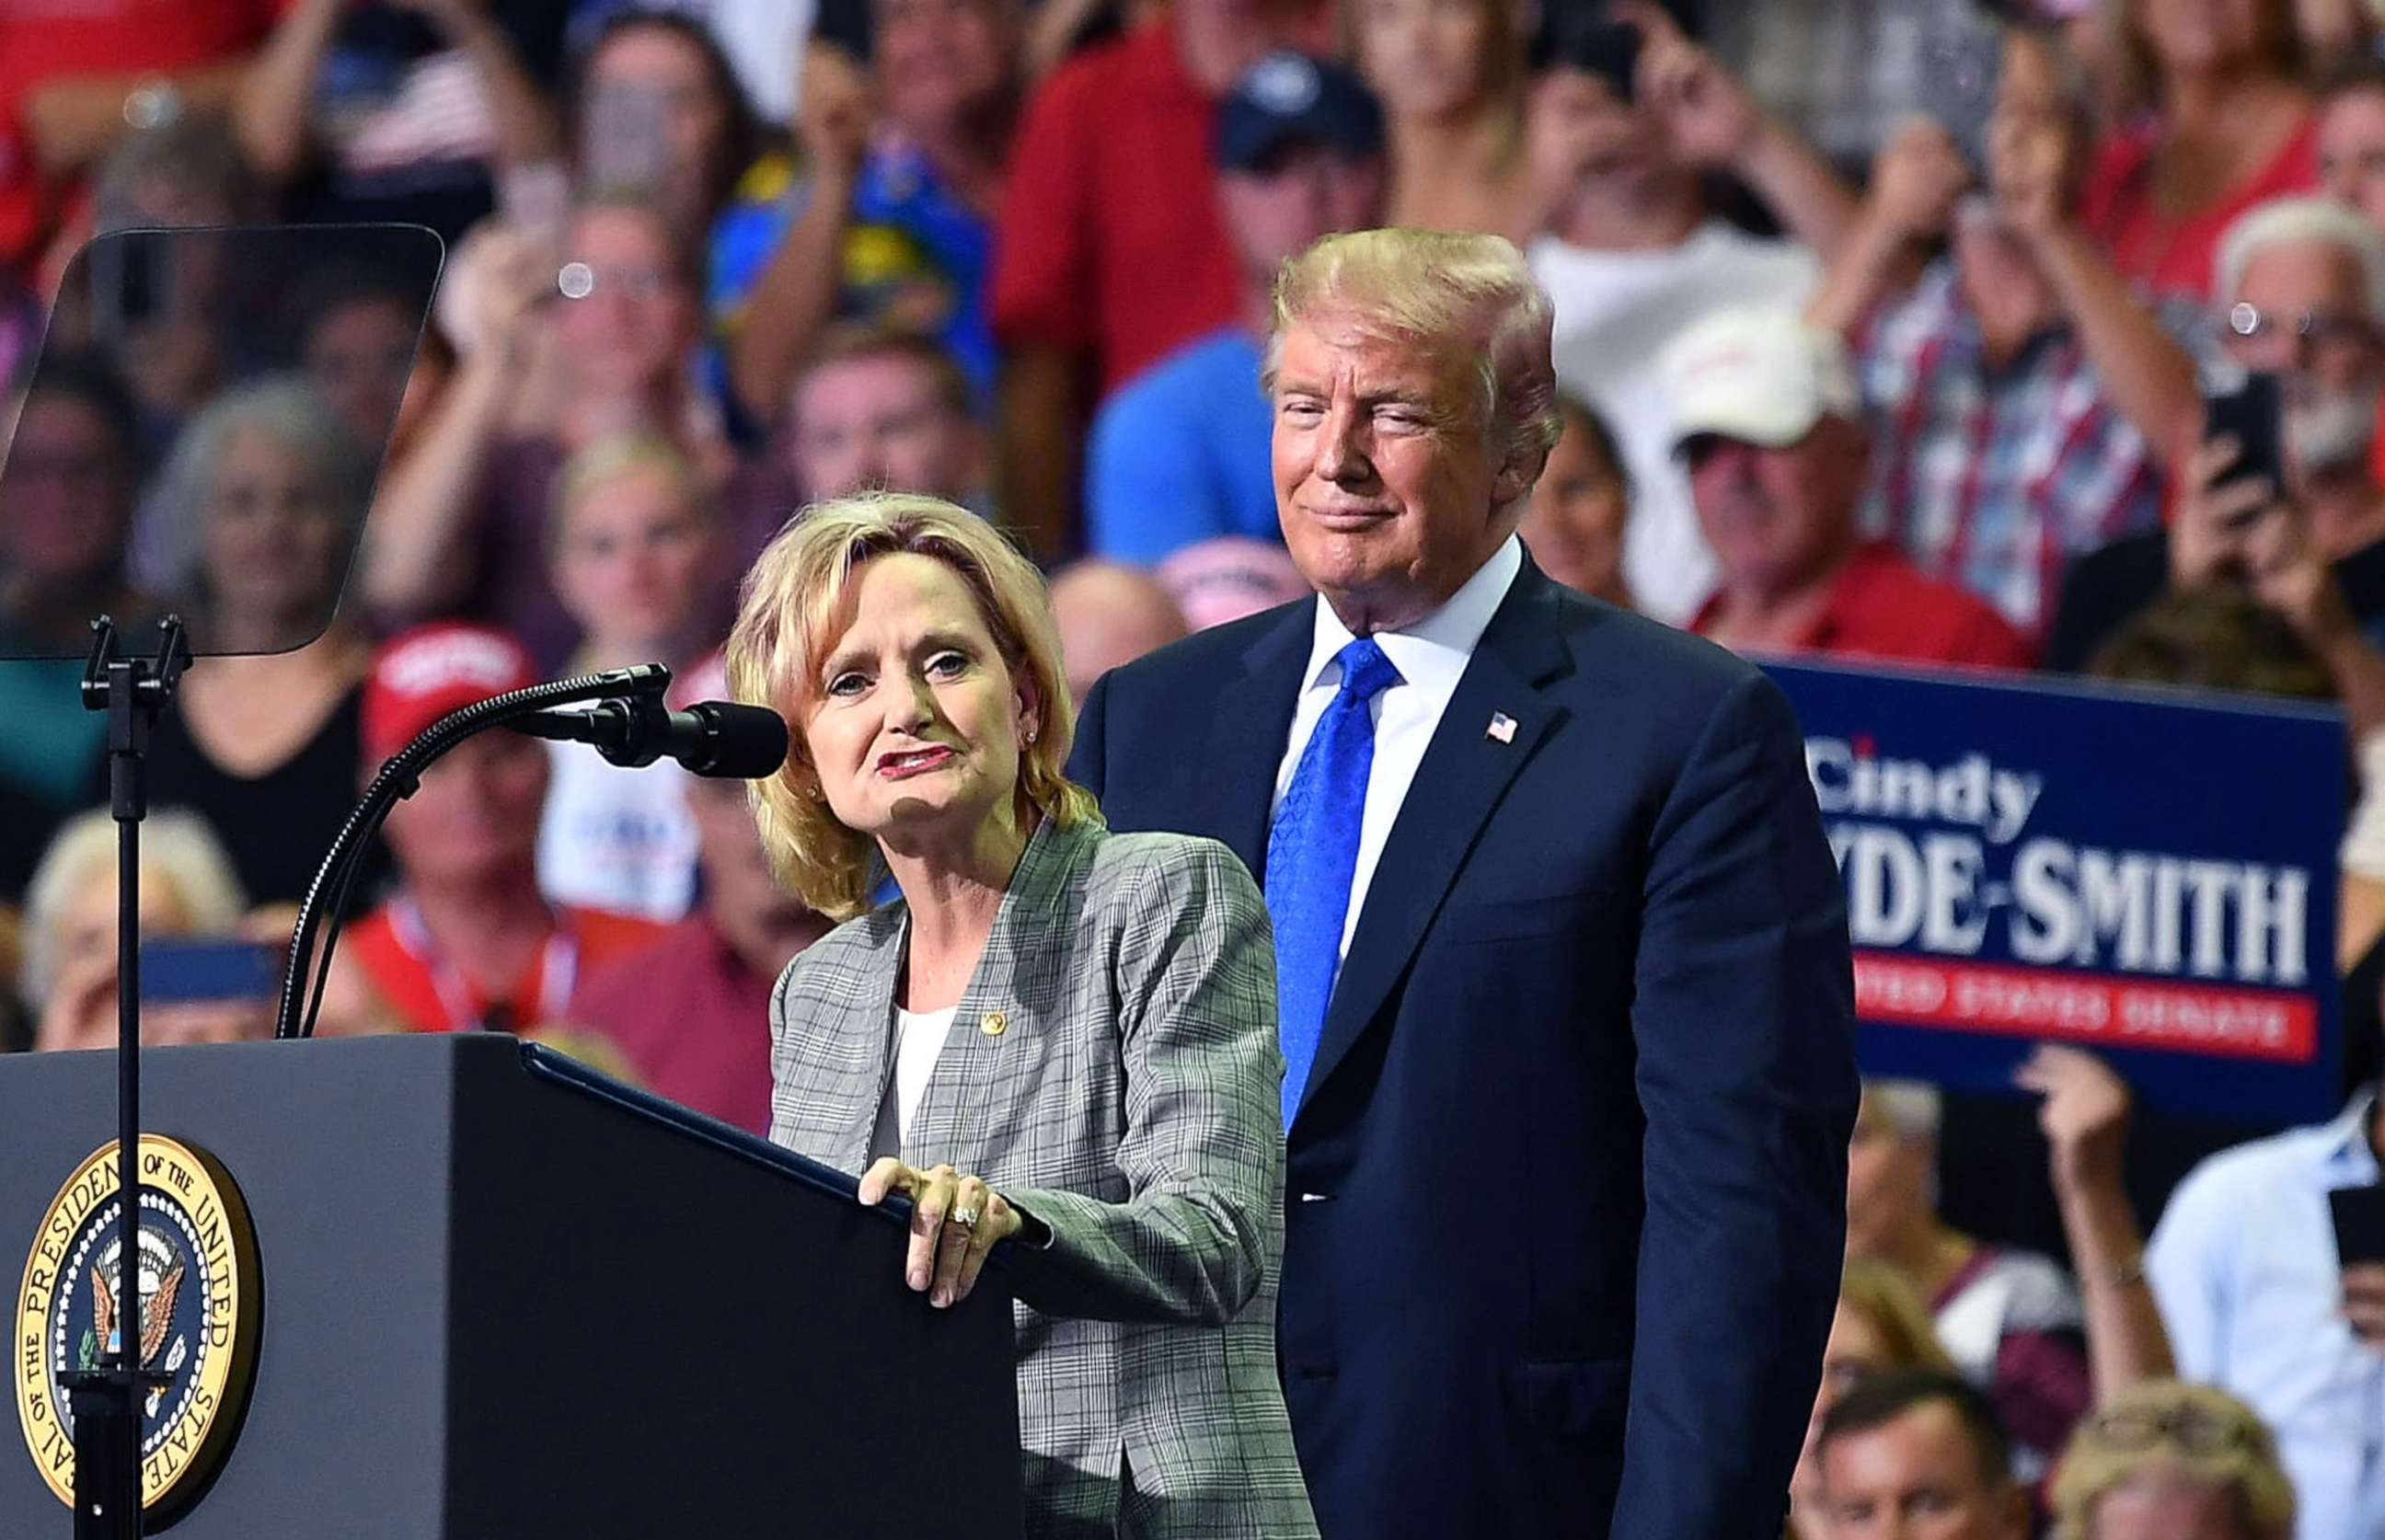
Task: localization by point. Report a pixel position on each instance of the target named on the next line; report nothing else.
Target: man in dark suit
(1561, 955)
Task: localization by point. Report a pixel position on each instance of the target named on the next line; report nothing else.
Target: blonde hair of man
(798, 601)
(1471, 298)
(2143, 1431)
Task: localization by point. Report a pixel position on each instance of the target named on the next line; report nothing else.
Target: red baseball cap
(422, 674)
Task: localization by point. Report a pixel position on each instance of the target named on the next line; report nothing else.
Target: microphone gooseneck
(628, 724)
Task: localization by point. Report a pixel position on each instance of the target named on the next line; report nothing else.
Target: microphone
(711, 738)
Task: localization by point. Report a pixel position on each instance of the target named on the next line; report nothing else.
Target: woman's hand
(956, 1220)
(2085, 1115)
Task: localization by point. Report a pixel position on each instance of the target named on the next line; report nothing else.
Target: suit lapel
(1465, 770)
(1234, 781)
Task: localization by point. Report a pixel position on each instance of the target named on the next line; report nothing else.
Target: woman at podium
(1052, 1036)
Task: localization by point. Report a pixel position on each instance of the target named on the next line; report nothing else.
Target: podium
(500, 1295)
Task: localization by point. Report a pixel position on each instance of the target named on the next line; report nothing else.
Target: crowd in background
(1886, 329)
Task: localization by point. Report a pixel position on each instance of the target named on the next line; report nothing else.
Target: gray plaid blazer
(1131, 1101)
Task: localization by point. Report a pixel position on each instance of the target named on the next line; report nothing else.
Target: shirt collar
(1434, 650)
(2343, 1147)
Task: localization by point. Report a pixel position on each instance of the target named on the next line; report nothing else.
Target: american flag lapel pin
(1501, 728)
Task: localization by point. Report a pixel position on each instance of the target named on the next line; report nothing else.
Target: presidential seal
(195, 1327)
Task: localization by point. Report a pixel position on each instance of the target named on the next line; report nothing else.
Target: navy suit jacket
(1567, 1188)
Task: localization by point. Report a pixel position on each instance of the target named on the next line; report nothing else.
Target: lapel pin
(1503, 727)
(995, 1024)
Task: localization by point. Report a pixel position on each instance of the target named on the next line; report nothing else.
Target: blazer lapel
(1234, 781)
(958, 1108)
(1466, 769)
(856, 1051)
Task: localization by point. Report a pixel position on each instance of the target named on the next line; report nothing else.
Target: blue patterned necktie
(1313, 855)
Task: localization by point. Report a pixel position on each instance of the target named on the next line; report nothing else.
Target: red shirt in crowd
(47, 40)
(430, 995)
(1109, 237)
(1881, 607)
(693, 1020)
(2165, 257)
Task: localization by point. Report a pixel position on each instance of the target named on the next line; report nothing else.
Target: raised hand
(1916, 180)
(1707, 114)
(838, 112)
(2085, 1113)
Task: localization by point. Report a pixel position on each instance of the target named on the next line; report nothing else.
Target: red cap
(422, 674)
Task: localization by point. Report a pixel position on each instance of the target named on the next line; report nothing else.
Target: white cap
(1762, 376)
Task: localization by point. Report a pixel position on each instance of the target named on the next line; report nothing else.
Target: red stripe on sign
(2105, 1010)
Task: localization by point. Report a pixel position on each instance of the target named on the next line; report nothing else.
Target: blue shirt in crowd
(916, 257)
(1179, 453)
(2243, 1266)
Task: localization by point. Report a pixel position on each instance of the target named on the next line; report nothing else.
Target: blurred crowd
(1906, 331)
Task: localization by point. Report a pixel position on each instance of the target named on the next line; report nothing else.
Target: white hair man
(2301, 295)
(1561, 955)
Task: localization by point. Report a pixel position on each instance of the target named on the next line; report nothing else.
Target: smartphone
(2359, 1215)
(1961, 75)
(625, 140)
(2253, 415)
(178, 970)
(1609, 50)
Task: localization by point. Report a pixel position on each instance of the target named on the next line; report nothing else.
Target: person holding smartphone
(2004, 382)
(2270, 1275)
(2300, 526)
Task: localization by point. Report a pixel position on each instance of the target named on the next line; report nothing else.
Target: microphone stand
(106, 1399)
(326, 903)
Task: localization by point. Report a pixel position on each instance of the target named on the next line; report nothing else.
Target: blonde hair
(610, 458)
(790, 613)
(1506, 65)
(2095, 1464)
(1885, 1298)
(1912, 1108)
(1468, 297)
(178, 847)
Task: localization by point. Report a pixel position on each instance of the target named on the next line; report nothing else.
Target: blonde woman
(2165, 1460)
(1054, 1036)
(1881, 1325)
(632, 545)
(1451, 76)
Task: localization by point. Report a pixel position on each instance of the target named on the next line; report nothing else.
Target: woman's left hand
(956, 1220)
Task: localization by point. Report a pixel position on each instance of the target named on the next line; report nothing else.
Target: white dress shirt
(2244, 1269)
(1430, 656)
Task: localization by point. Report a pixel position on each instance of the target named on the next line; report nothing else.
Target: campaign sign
(2150, 875)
